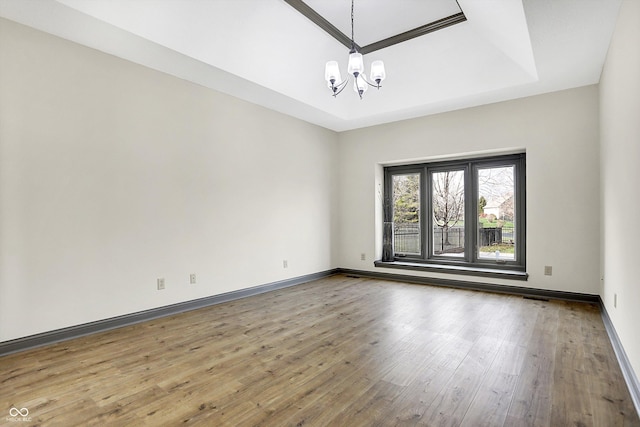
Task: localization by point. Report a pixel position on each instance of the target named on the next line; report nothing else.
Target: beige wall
(620, 170)
(112, 175)
(559, 132)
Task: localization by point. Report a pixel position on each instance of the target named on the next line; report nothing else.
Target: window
(406, 214)
(465, 215)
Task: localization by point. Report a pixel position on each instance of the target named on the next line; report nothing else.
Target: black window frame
(470, 263)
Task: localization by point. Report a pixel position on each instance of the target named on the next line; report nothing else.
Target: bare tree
(448, 201)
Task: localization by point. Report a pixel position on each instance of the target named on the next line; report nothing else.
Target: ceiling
(266, 52)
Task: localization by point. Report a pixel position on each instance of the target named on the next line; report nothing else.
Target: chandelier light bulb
(377, 72)
(356, 64)
(360, 84)
(332, 73)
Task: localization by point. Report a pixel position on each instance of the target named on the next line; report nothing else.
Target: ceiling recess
(334, 32)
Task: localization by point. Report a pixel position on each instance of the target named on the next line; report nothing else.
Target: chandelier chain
(353, 43)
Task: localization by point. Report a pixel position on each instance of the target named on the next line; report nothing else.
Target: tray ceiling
(266, 52)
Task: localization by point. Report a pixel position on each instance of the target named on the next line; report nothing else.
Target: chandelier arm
(341, 87)
(376, 85)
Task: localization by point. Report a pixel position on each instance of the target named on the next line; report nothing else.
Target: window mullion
(473, 213)
(520, 199)
(425, 217)
(468, 214)
(428, 213)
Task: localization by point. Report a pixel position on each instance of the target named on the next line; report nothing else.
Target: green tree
(406, 199)
(482, 202)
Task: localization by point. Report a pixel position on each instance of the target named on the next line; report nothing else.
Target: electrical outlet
(548, 270)
(160, 284)
(285, 263)
(363, 257)
(615, 300)
(192, 279)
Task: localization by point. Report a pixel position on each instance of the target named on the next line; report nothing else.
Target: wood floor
(340, 351)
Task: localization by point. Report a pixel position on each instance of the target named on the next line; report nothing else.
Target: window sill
(456, 269)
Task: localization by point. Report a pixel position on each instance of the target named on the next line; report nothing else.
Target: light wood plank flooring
(340, 351)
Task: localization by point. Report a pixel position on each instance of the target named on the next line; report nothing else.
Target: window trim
(470, 263)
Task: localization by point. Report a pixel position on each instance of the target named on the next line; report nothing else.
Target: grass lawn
(486, 224)
(505, 249)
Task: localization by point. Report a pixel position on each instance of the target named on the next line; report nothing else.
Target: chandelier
(354, 68)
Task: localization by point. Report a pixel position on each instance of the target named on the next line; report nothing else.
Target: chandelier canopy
(355, 68)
